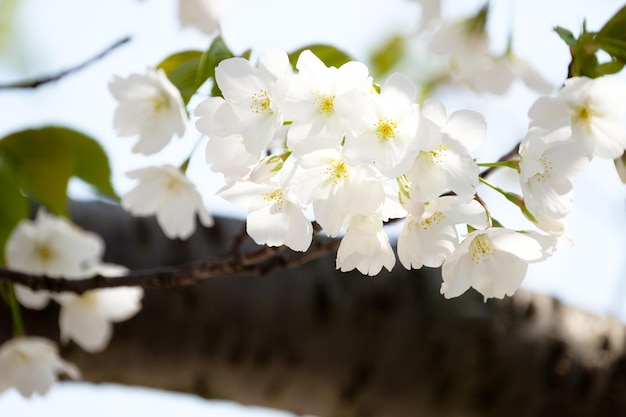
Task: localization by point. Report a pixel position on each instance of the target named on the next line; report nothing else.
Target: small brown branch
(56, 77)
(258, 262)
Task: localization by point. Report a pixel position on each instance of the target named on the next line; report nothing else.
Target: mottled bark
(316, 341)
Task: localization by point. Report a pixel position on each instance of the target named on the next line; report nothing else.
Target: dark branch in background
(56, 77)
(257, 263)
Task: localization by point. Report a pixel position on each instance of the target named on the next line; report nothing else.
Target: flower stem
(508, 164)
(8, 294)
(516, 199)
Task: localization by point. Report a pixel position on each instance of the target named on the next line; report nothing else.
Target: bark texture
(315, 341)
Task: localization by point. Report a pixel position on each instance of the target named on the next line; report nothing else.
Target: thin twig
(56, 77)
(506, 157)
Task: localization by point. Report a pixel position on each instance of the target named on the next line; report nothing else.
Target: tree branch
(56, 77)
(258, 262)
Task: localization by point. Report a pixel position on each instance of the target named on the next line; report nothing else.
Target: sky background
(47, 37)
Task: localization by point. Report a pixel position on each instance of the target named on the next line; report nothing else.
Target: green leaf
(189, 70)
(329, 55)
(611, 67)
(614, 47)
(217, 52)
(42, 167)
(43, 160)
(387, 56)
(182, 68)
(614, 28)
(13, 206)
(567, 36)
(90, 162)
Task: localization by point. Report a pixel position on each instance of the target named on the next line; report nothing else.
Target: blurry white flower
(467, 45)
(149, 106)
(51, 246)
(166, 192)
(31, 364)
(594, 108)
(203, 15)
(365, 247)
(493, 261)
(87, 318)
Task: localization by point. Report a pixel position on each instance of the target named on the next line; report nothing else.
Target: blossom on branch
(383, 127)
(493, 261)
(548, 165)
(273, 219)
(249, 97)
(309, 101)
(52, 246)
(31, 365)
(149, 106)
(593, 108)
(365, 247)
(429, 234)
(167, 193)
(336, 188)
(447, 164)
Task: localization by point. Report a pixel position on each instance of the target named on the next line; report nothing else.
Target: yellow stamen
(386, 129)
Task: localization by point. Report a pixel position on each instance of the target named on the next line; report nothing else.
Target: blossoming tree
(323, 156)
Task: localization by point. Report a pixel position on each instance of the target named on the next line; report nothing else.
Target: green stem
(16, 314)
(516, 199)
(508, 164)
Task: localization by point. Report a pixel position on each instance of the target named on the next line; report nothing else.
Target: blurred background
(39, 37)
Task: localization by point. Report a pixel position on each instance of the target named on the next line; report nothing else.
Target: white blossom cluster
(54, 247)
(329, 144)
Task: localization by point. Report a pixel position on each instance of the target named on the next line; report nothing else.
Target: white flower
(168, 193)
(336, 188)
(365, 247)
(548, 165)
(383, 127)
(594, 108)
(87, 318)
(493, 261)
(31, 364)
(203, 15)
(225, 152)
(149, 106)
(249, 96)
(52, 246)
(309, 101)
(448, 165)
(272, 219)
(429, 234)
(468, 46)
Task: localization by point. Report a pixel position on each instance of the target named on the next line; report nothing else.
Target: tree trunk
(316, 341)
